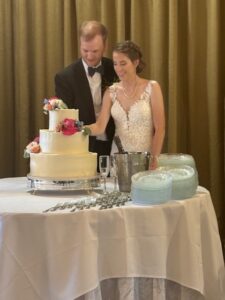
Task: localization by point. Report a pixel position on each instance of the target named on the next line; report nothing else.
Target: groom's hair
(89, 29)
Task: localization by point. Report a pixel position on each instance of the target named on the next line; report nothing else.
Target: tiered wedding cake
(61, 152)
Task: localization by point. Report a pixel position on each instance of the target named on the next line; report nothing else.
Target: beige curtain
(183, 44)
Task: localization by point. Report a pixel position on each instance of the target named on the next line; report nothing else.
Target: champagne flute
(104, 168)
(113, 172)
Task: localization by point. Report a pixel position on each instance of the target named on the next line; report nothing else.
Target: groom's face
(92, 50)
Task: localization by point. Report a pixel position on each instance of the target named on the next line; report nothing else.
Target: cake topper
(53, 103)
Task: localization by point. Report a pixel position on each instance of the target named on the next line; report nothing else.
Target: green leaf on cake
(86, 131)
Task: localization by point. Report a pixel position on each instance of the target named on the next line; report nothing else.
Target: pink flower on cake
(36, 139)
(32, 147)
(53, 104)
(69, 127)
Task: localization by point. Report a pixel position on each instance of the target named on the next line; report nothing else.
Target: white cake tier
(57, 116)
(63, 166)
(57, 142)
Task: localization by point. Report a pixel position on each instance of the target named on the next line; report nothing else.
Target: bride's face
(124, 67)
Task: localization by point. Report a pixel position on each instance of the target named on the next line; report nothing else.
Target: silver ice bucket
(127, 164)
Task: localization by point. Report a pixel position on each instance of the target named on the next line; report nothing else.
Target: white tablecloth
(64, 255)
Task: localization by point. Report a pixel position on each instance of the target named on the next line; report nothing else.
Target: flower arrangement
(71, 126)
(32, 147)
(53, 103)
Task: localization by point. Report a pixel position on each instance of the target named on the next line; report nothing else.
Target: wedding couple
(134, 104)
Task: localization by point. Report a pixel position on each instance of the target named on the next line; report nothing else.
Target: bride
(135, 103)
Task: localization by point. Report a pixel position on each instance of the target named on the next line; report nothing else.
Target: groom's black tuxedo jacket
(72, 86)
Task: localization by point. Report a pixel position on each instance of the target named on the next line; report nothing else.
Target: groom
(81, 85)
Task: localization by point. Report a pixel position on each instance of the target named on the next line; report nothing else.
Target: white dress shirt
(95, 82)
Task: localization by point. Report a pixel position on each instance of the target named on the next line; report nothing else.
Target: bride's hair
(131, 50)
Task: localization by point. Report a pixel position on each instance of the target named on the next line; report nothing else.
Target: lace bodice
(135, 126)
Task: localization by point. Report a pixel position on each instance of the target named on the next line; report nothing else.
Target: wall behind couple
(183, 45)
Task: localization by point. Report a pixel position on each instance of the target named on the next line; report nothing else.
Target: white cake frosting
(57, 116)
(62, 156)
(57, 142)
(63, 166)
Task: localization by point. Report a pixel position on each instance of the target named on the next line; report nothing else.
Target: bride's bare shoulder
(143, 80)
(154, 82)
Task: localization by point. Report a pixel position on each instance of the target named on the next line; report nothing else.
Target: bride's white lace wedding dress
(134, 127)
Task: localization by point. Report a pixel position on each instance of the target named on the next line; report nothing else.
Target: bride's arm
(158, 116)
(103, 118)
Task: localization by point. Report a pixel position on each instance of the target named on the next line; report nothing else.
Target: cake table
(170, 251)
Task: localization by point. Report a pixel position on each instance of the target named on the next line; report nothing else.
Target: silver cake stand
(62, 184)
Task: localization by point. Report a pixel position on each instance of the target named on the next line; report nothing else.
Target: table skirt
(141, 289)
(170, 251)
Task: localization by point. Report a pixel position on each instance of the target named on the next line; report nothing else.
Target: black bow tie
(91, 70)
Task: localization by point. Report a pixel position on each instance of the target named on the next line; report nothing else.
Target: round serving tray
(63, 184)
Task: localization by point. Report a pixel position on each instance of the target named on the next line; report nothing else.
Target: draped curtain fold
(183, 46)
